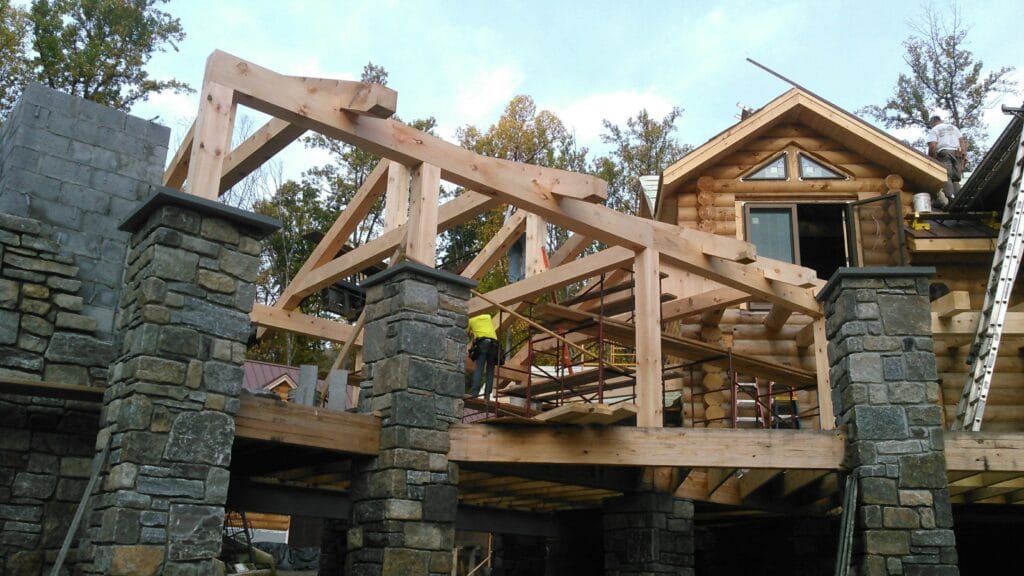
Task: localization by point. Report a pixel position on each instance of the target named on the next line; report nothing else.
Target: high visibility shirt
(482, 327)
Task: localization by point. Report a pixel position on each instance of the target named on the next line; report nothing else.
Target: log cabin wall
(713, 200)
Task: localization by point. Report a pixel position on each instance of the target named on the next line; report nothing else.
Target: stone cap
(873, 272)
(421, 270)
(259, 224)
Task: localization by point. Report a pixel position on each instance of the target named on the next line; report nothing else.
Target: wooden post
(646, 275)
(396, 200)
(826, 415)
(211, 140)
(536, 247)
(421, 240)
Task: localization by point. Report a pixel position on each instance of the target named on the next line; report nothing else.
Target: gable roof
(801, 107)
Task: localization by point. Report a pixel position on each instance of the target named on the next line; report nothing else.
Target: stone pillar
(404, 501)
(647, 533)
(887, 399)
(168, 411)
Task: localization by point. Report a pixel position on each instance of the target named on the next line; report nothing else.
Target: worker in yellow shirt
(485, 344)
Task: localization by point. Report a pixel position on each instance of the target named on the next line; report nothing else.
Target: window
(773, 170)
(811, 235)
(811, 169)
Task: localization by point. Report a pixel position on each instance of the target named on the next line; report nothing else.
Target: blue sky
(461, 62)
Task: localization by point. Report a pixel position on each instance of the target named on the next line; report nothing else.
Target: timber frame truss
(409, 176)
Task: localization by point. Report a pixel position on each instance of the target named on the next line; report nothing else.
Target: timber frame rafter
(409, 176)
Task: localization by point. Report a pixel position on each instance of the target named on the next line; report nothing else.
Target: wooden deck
(543, 467)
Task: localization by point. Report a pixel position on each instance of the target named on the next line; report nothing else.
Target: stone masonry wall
(70, 171)
(80, 168)
(886, 397)
(404, 500)
(46, 444)
(648, 533)
(168, 413)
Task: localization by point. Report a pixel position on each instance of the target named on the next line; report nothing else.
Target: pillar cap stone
(874, 272)
(257, 224)
(420, 270)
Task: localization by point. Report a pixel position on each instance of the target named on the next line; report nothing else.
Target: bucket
(922, 202)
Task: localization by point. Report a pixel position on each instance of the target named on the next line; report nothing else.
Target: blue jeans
(487, 359)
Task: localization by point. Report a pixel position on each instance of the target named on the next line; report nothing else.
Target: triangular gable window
(774, 170)
(811, 169)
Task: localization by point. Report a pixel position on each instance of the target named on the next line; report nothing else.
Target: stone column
(647, 533)
(887, 399)
(404, 500)
(168, 411)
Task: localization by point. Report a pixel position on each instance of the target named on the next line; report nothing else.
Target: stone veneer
(887, 398)
(168, 411)
(648, 533)
(45, 443)
(404, 500)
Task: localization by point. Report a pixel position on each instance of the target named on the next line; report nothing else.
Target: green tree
(14, 62)
(98, 49)
(522, 134)
(944, 77)
(95, 49)
(644, 146)
(303, 218)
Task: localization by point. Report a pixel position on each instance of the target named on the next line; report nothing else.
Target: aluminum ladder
(1005, 263)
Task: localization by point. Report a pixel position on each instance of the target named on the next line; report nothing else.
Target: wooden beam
(303, 324)
(257, 149)
(279, 422)
(950, 245)
(805, 337)
(777, 317)
(289, 98)
(794, 480)
(629, 446)
(42, 389)
(177, 170)
(562, 198)
(212, 138)
(648, 340)
(535, 256)
(344, 225)
(421, 234)
(964, 325)
(716, 299)
(573, 246)
(496, 247)
(452, 213)
(554, 278)
(752, 480)
(717, 477)
(952, 304)
(695, 487)
(984, 451)
(826, 415)
(396, 200)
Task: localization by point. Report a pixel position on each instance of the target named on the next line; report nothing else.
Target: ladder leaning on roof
(1005, 263)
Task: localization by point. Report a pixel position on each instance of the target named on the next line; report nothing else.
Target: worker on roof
(484, 352)
(947, 145)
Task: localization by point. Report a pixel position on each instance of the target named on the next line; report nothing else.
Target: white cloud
(310, 67)
(585, 116)
(481, 97)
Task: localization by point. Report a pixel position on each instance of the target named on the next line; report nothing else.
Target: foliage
(644, 146)
(302, 218)
(944, 77)
(522, 134)
(97, 49)
(14, 62)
